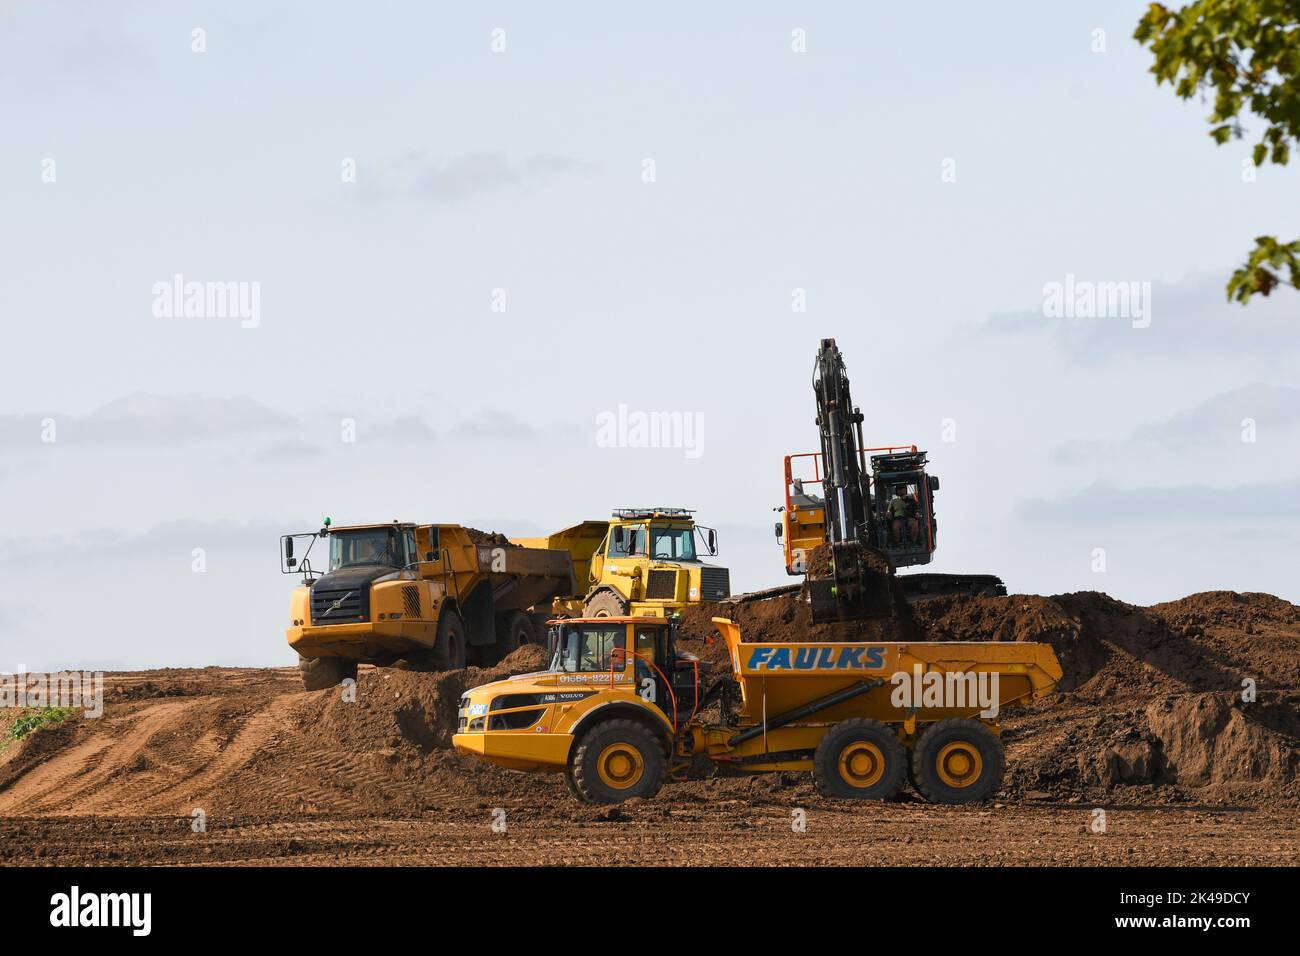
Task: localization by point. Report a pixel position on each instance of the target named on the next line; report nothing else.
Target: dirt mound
(396, 707)
(1228, 609)
(1177, 748)
(1209, 739)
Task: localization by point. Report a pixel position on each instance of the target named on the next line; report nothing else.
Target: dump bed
(943, 679)
(575, 544)
(522, 577)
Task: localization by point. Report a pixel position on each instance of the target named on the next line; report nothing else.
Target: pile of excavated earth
(1150, 711)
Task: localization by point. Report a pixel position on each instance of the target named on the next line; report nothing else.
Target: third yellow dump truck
(620, 708)
(642, 562)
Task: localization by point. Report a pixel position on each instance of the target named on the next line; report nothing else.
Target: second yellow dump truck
(620, 709)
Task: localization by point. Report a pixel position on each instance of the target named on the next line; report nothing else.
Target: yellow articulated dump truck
(620, 709)
(644, 562)
(429, 596)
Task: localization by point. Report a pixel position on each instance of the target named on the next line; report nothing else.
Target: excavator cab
(903, 502)
(904, 530)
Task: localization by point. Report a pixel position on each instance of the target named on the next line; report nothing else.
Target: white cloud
(452, 179)
(146, 419)
(1191, 318)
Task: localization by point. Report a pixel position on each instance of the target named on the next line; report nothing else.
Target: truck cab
(650, 564)
(620, 672)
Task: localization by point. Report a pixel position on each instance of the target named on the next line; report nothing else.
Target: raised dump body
(620, 707)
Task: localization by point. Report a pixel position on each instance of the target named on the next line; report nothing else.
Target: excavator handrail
(816, 457)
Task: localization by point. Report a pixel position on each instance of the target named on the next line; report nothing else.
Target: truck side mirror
(288, 551)
(779, 532)
(713, 541)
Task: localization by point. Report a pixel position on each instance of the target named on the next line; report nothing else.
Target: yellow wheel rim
(959, 764)
(620, 766)
(861, 764)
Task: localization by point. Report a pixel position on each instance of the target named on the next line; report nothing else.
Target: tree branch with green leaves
(1247, 54)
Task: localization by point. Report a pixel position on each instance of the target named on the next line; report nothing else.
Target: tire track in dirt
(59, 784)
(196, 767)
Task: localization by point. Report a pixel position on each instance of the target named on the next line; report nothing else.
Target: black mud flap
(477, 611)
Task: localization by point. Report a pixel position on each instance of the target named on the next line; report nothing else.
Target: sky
(474, 231)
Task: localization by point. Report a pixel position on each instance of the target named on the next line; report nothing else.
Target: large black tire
(319, 673)
(513, 630)
(615, 761)
(572, 788)
(605, 603)
(449, 651)
(860, 759)
(449, 648)
(958, 760)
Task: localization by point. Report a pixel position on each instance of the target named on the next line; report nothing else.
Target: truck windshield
(383, 546)
(673, 544)
(588, 648)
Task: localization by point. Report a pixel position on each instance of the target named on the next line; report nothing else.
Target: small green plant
(33, 717)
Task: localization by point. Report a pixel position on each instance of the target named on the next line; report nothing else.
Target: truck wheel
(321, 672)
(514, 629)
(860, 759)
(448, 652)
(615, 761)
(605, 603)
(572, 787)
(958, 760)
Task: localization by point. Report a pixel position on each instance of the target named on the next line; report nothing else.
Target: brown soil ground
(1148, 724)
